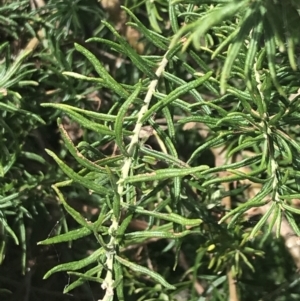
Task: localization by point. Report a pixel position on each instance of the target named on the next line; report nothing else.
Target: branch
(108, 283)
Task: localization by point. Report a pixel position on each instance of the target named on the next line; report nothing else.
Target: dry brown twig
(220, 160)
(119, 18)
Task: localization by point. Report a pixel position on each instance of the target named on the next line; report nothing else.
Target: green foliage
(226, 67)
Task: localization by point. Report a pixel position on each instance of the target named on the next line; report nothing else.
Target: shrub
(178, 156)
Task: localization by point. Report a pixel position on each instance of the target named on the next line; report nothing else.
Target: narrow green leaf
(11, 197)
(205, 68)
(4, 45)
(113, 84)
(163, 174)
(271, 55)
(33, 157)
(97, 269)
(168, 142)
(76, 215)
(158, 234)
(246, 145)
(243, 209)
(171, 127)
(207, 120)
(9, 230)
(290, 208)
(292, 222)
(236, 119)
(175, 94)
(77, 178)
(277, 25)
(258, 200)
(153, 15)
(169, 159)
(75, 153)
(99, 128)
(288, 139)
(139, 269)
(243, 96)
(246, 261)
(228, 39)
(180, 82)
(86, 277)
(110, 43)
(252, 50)
(76, 265)
(173, 17)
(3, 246)
(14, 67)
(124, 225)
(137, 60)
(177, 103)
(95, 115)
(274, 217)
(260, 59)
(11, 108)
(278, 116)
(171, 217)
(118, 275)
(109, 160)
(238, 176)
(23, 242)
(278, 222)
(151, 36)
(119, 124)
(235, 165)
(66, 237)
(291, 21)
(285, 149)
(116, 198)
(262, 220)
(290, 196)
(202, 25)
(212, 142)
(83, 77)
(235, 47)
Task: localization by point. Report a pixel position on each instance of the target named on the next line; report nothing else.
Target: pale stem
(108, 283)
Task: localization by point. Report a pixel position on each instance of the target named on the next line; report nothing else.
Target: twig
(220, 160)
(184, 264)
(233, 294)
(108, 283)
